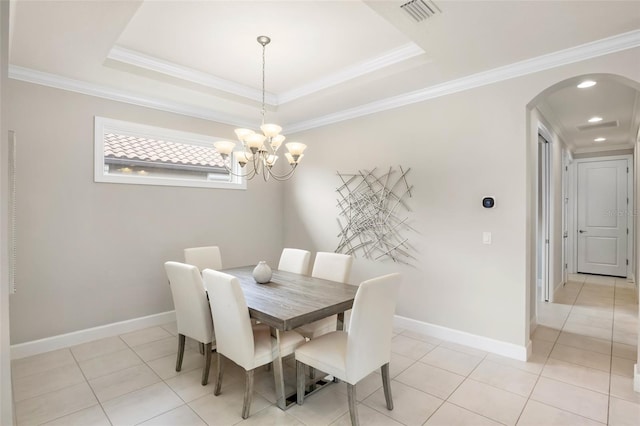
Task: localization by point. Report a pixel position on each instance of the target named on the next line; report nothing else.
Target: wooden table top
(291, 300)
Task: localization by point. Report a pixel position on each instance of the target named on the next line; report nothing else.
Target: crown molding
(92, 89)
(140, 60)
(571, 55)
(137, 59)
(603, 148)
(402, 53)
(579, 53)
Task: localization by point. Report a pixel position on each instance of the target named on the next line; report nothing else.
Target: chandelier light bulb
(296, 148)
(243, 157)
(224, 147)
(255, 141)
(276, 141)
(270, 130)
(241, 134)
(293, 161)
(271, 160)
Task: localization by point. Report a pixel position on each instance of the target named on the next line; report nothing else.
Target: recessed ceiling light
(595, 119)
(600, 139)
(586, 83)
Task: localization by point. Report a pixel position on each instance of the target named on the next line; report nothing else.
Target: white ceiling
(617, 103)
(325, 56)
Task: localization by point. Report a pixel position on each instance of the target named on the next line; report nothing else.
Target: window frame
(103, 125)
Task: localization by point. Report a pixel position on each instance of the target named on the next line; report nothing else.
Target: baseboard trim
(497, 347)
(636, 377)
(52, 343)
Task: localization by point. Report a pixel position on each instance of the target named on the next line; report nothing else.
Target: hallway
(589, 338)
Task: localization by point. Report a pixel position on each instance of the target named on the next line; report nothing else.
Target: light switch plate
(486, 238)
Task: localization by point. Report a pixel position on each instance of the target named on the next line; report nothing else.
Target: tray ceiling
(325, 56)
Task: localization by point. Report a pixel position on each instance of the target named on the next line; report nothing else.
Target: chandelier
(259, 151)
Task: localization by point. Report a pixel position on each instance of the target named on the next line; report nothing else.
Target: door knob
(581, 231)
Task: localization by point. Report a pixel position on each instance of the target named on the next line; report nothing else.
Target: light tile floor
(580, 374)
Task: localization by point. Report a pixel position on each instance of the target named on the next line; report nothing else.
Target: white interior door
(602, 219)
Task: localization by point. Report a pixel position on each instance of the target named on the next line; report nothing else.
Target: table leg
(278, 375)
(340, 326)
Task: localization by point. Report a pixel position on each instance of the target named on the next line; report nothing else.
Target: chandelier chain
(259, 151)
(263, 80)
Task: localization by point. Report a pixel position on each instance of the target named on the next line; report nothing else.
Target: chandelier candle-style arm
(257, 153)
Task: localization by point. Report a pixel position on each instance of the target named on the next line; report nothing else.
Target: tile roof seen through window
(123, 147)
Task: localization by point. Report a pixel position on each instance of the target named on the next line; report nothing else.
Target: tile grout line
(89, 386)
(549, 355)
(86, 380)
(572, 363)
(613, 323)
(162, 380)
(481, 415)
(59, 389)
(185, 403)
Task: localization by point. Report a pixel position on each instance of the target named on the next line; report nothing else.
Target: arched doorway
(589, 314)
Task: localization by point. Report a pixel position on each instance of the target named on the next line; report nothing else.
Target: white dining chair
(333, 267)
(193, 316)
(352, 355)
(249, 347)
(203, 257)
(295, 261)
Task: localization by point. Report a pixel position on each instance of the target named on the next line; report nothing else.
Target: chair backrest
(190, 300)
(203, 257)
(234, 335)
(332, 266)
(370, 331)
(295, 261)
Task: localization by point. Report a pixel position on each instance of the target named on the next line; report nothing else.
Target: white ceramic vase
(262, 273)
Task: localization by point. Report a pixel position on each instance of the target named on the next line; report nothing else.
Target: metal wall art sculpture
(371, 219)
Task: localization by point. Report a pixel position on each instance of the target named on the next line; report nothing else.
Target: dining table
(289, 301)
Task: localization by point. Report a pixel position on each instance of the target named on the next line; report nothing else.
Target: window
(138, 154)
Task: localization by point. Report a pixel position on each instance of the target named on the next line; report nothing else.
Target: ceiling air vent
(420, 10)
(604, 125)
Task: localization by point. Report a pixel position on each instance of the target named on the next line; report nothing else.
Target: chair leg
(207, 364)
(181, 341)
(386, 383)
(300, 388)
(248, 394)
(353, 410)
(219, 371)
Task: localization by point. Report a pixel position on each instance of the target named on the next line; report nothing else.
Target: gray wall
(90, 253)
(460, 147)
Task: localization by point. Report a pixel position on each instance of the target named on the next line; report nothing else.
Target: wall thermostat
(488, 202)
